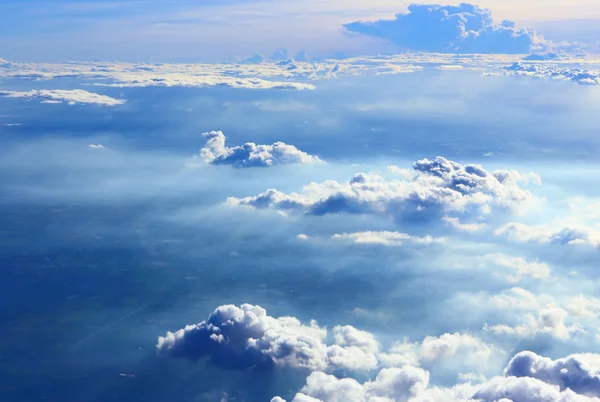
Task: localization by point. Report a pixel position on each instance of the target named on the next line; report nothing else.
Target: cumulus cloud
(245, 336)
(527, 378)
(438, 188)
(544, 71)
(251, 155)
(72, 96)
(464, 28)
(513, 389)
(579, 372)
(391, 384)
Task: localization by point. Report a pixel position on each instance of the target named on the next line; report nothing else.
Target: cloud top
(465, 28)
(246, 337)
(437, 188)
(250, 154)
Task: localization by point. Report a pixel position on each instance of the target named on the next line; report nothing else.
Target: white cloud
(457, 29)
(72, 96)
(245, 336)
(517, 299)
(550, 321)
(513, 389)
(251, 155)
(463, 227)
(579, 372)
(439, 188)
(527, 378)
(391, 384)
(577, 234)
(555, 72)
(583, 307)
(96, 146)
(518, 267)
(439, 352)
(386, 238)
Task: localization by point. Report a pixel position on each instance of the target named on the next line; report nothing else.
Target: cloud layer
(251, 155)
(72, 96)
(455, 29)
(574, 74)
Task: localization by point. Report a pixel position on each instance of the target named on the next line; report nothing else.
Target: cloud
(247, 337)
(386, 238)
(96, 146)
(527, 378)
(251, 155)
(244, 337)
(438, 188)
(579, 372)
(392, 384)
(550, 321)
(543, 71)
(513, 389)
(200, 81)
(463, 227)
(72, 96)
(438, 352)
(449, 29)
(567, 235)
(520, 267)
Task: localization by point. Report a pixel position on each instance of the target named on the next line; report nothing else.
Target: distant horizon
(187, 31)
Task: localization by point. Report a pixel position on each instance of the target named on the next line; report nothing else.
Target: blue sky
(225, 30)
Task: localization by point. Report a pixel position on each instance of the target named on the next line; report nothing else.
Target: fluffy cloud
(440, 351)
(579, 372)
(550, 321)
(456, 29)
(578, 75)
(527, 378)
(392, 384)
(513, 389)
(251, 155)
(245, 336)
(437, 188)
(567, 235)
(72, 96)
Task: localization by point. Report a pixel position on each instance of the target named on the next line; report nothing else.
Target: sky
(405, 212)
(213, 31)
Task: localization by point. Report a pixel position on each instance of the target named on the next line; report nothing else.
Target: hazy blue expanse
(104, 250)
